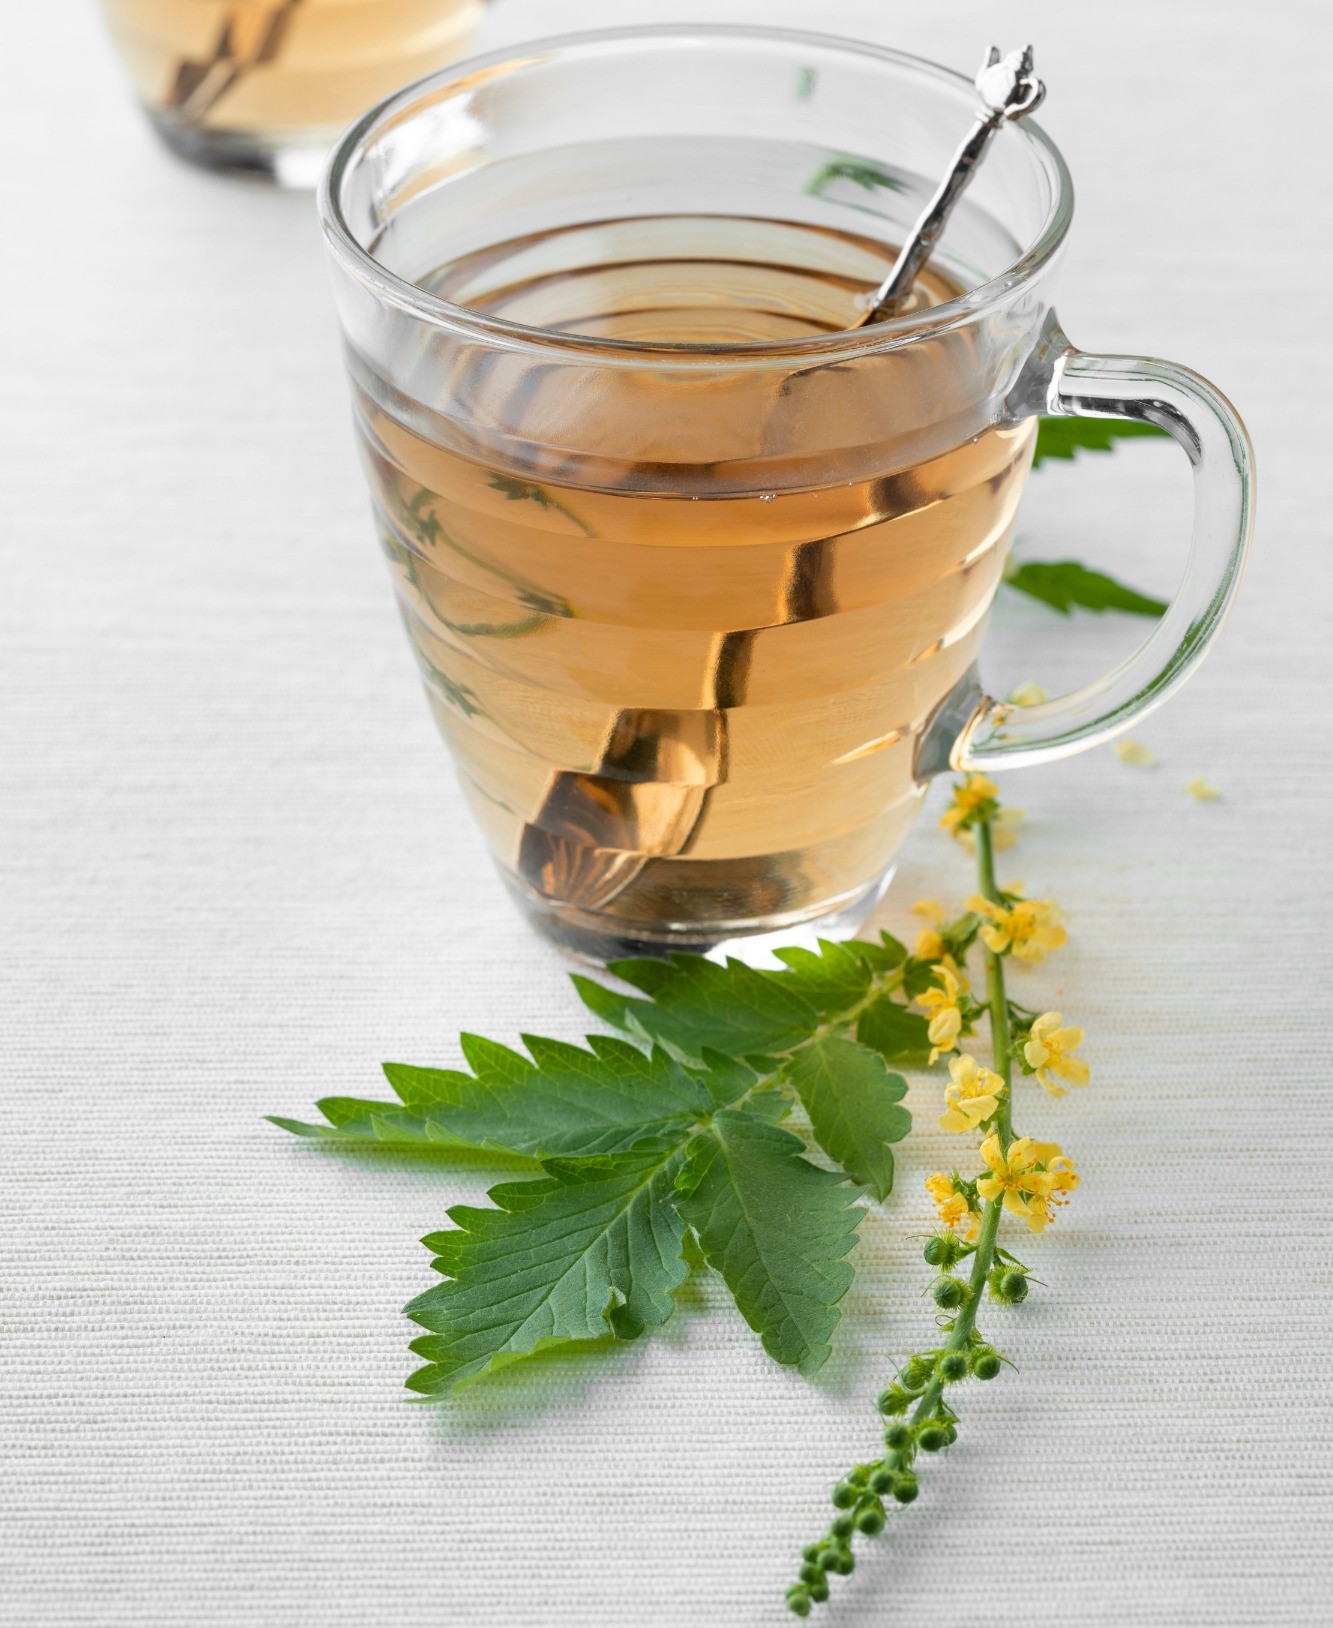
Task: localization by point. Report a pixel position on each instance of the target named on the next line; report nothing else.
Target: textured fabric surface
(236, 873)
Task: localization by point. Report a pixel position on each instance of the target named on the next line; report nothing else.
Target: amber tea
(680, 679)
(258, 83)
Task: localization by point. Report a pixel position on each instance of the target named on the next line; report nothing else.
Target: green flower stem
(983, 1258)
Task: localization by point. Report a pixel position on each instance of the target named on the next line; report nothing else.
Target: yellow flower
(1134, 752)
(1033, 1178)
(1028, 695)
(968, 799)
(1062, 1179)
(946, 1020)
(1201, 791)
(1050, 1051)
(973, 1094)
(1003, 831)
(929, 945)
(931, 909)
(1028, 929)
(954, 1206)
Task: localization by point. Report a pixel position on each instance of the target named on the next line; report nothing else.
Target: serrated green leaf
(589, 1250)
(1062, 584)
(853, 1104)
(562, 1101)
(1059, 437)
(832, 979)
(776, 1227)
(694, 1002)
(899, 1036)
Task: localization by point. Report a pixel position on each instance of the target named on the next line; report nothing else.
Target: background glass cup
(266, 85)
(696, 579)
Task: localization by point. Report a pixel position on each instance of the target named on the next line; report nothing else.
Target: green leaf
(776, 1227)
(899, 1036)
(853, 1104)
(695, 1003)
(1063, 584)
(738, 1010)
(860, 171)
(564, 1101)
(1060, 437)
(590, 1250)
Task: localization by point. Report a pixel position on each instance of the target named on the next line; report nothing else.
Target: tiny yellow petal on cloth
(972, 1095)
(1050, 1052)
(1134, 752)
(931, 909)
(1201, 791)
(1027, 695)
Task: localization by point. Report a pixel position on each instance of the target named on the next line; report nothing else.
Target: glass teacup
(266, 85)
(696, 577)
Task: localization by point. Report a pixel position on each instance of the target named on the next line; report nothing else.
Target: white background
(236, 874)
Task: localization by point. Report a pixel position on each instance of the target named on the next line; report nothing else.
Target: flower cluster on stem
(1027, 1179)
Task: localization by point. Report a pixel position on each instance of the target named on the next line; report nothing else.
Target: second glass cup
(696, 577)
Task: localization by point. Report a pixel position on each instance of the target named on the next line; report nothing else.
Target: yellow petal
(1134, 752)
(1201, 791)
(1027, 695)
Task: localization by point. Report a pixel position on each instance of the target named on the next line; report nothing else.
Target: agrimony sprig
(1027, 1180)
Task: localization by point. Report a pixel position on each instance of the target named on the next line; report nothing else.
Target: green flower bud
(845, 1564)
(931, 1438)
(844, 1495)
(1008, 1285)
(916, 1372)
(881, 1481)
(941, 1251)
(811, 1552)
(870, 1521)
(842, 1526)
(986, 1363)
(828, 1557)
(950, 1433)
(952, 1366)
(811, 1573)
(950, 1293)
(798, 1601)
(819, 1590)
(893, 1400)
(859, 1476)
(905, 1489)
(898, 1436)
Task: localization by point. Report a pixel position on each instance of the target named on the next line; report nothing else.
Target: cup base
(293, 160)
(595, 939)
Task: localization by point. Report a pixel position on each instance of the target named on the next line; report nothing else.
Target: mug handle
(973, 730)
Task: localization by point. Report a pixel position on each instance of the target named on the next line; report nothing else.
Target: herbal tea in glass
(266, 85)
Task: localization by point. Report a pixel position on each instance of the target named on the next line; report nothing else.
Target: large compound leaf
(776, 1227)
(590, 1250)
(564, 1101)
(853, 1104)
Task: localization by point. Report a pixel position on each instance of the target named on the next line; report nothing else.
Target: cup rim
(503, 332)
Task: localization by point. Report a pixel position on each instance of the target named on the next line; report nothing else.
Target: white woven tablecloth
(236, 873)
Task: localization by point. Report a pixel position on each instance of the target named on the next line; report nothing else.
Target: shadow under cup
(688, 568)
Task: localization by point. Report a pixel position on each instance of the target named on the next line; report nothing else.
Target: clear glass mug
(696, 577)
(265, 86)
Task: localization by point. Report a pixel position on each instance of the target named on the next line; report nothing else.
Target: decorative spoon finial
(1008, 90)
